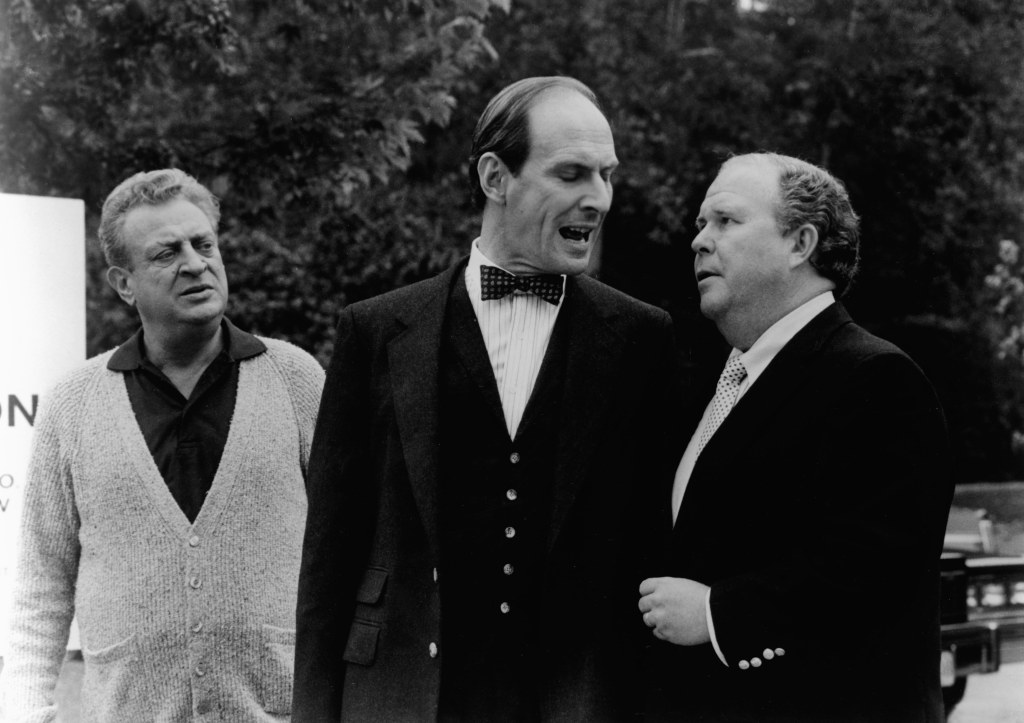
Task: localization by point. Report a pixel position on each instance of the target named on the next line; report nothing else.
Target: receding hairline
(551, 94)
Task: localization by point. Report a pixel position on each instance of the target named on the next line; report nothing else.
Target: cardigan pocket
(361, 647)
(113, 687)
(276, 669)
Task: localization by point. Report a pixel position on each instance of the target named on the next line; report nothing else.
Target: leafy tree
(290, 110)
(1006, 284)
(337, 134)
(916, 106)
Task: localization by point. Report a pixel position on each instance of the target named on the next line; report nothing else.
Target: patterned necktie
(497, 284)
(725, 396)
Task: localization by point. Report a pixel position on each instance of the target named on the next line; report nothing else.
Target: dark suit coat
(369, 643)
(816, 514)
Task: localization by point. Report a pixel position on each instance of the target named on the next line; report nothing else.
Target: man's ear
(120, 280)
(804, 242)
(493, 175)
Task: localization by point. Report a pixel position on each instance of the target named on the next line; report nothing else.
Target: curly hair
(148, 188)
(504, 127)
(811, 195)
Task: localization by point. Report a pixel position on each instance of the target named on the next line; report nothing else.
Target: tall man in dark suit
(801, 581)
(483, 442)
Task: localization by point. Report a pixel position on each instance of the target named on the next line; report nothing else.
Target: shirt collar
(239, 345)
(477, 258)
(757, 358)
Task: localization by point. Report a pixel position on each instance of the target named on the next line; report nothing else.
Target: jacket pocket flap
(362, 643)
(372, 586)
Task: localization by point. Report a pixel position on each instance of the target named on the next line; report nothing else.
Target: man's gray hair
(811, 195)
(149, 188)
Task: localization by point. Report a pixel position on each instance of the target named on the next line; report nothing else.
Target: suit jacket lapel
(593, 348)
(789, 370)
(414, 359)
(469, 347)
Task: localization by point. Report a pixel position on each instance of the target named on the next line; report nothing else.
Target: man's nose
(702, 242)
(599, 196)
(193, 262)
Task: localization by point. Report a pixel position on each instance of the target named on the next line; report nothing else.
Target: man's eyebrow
(566, 165)
(577, 165)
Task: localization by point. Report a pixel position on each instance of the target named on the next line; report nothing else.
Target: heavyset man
(165, 502)
(482, 442)
(801, 576)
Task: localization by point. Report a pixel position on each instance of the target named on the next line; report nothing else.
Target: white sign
(42, 336)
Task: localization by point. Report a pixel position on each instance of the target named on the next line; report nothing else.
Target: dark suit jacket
(369, 635)
(816, 514)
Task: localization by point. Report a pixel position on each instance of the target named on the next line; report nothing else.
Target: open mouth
(576, 233)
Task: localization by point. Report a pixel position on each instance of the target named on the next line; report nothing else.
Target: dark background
(336, 133)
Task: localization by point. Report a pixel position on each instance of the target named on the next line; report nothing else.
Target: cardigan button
(510, 532)
(193, 541)
(195, 583)
(514, 458)
(432, 649)
(512, 495)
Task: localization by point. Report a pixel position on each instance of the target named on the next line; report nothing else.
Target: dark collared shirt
(185, 436)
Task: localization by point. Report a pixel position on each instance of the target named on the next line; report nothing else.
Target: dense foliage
(336, 134)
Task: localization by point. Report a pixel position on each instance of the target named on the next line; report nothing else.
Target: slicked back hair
(149, 188)
(504, 126)
(811, 195)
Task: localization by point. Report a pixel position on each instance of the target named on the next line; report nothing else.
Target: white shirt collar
(477, 258)
(757, 358)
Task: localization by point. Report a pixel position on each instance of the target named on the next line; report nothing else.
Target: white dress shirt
(756, 359)
(516, 331)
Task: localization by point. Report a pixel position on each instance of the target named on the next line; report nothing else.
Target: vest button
(508, 569)
(512, 495)
(514, 458)
(193, 541)
(432, 650)
(505, 607)
(510, 532)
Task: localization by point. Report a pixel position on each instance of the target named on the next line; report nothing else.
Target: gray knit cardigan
(179, 621)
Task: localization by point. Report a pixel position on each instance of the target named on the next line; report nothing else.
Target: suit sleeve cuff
(711, 628)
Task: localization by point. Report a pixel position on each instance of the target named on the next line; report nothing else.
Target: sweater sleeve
(44, 588)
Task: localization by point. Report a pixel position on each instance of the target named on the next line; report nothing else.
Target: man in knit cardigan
(165, 500)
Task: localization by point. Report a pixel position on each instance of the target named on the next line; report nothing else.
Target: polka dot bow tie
(497, 284)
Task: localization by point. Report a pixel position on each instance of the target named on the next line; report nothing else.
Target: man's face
(177, 276)
(743, 260)
(555, 205)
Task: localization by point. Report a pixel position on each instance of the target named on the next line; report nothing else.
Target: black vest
(495, 499)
